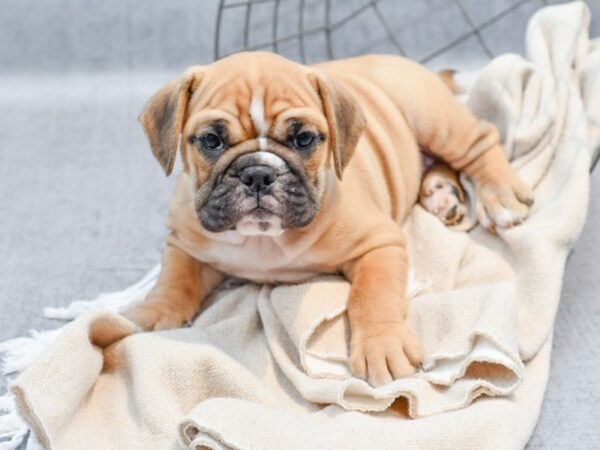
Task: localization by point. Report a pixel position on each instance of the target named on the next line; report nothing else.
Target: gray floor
(82, 201)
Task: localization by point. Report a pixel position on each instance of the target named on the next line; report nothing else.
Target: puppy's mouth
(258, 195)
(260, 221)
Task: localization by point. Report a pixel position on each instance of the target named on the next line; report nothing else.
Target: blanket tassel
(12, 427)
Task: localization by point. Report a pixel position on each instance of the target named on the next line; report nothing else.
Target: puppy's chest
(258, 258)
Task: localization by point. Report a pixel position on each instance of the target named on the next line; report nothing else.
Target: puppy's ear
(164, 115)
(345, 118)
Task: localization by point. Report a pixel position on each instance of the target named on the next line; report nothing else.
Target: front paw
(384, 352)
(156, 315)
(503, 203)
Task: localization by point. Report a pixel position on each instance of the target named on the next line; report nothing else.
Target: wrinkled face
(257, 156)
(258, 136)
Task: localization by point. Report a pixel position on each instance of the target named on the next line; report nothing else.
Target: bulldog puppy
(442, 194)
(291, 171)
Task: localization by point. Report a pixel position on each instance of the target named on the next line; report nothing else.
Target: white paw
(501, 206)
(507, 218)
(440, 197)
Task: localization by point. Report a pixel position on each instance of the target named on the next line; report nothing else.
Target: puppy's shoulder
(368, 64)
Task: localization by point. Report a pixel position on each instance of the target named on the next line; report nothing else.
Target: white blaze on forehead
(262, 143)
(270, 159)
(257, 114)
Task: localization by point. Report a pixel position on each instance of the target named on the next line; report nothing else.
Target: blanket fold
(266, 367)
(307, 334)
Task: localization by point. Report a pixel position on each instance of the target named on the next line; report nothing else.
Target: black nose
(258, 178)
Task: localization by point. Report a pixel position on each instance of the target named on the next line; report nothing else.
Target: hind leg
(449, 131)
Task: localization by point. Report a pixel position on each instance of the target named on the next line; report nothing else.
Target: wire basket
(285, 26)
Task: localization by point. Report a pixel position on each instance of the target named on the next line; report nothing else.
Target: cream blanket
(265, 367)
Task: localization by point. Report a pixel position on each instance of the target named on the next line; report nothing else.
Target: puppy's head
(257, 135)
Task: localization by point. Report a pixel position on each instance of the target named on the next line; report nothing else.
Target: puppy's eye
(304, 140)
(211, 142)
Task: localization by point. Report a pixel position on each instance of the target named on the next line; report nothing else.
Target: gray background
(82, 202)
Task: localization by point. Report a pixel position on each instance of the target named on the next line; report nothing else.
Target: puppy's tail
(447, 76)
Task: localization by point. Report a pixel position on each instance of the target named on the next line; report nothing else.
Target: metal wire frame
(301, 33)
(330, 27)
